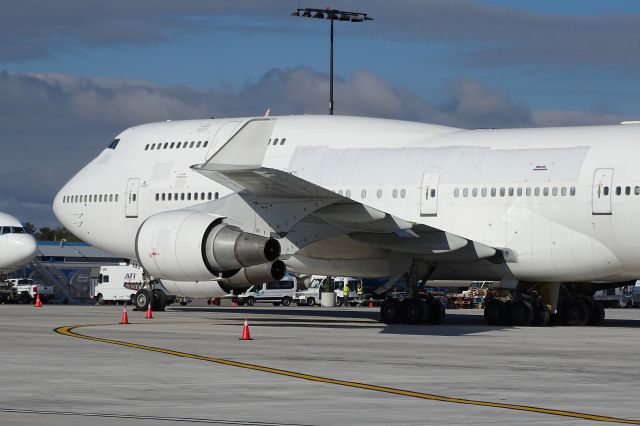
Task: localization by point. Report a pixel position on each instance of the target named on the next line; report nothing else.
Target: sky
(75, 73)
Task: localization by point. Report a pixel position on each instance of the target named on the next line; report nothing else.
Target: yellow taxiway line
(68, 330)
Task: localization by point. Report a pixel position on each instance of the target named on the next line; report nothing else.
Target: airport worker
(360, 291)
(345, 293)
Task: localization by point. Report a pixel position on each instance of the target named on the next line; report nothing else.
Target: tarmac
(309, 366)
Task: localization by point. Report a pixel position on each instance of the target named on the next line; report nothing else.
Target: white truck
(276, 292)
(25, 290)
(311, 295)
(125, 283)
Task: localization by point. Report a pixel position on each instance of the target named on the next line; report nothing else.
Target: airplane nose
(24, 248)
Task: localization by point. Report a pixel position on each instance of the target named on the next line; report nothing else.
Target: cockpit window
(114, 144)
(12, 230)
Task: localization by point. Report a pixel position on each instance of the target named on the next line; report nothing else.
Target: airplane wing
(238, 165)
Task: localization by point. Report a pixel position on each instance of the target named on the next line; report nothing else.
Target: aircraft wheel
(576, 313)
(494, 312)
(159, 300)
(142, 300)
(414, 311)
(390, 311)
(597, 314)
(436, 312)
(519, 313)
(541, 318)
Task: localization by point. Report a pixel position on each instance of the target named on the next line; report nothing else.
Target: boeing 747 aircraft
(17, 247)
(223, 203)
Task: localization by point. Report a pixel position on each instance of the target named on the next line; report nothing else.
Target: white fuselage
(560, 203)
(17, 248)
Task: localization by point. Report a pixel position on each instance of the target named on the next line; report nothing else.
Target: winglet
(247, 147)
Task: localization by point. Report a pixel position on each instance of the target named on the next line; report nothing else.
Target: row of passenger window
(92, 198)
(176, 145)
(275, 141)
(188, 196)
(510, 192)
(363, 193)
(627, 190)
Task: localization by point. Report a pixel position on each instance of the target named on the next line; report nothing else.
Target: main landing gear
(156, 297)
(415, 309)
(533, 305)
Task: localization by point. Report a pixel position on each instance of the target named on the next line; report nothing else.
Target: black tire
(251, 301)
(413, 311)
(541, 318)
(576, 313)
(143, 298)
(286, 301)
(183, 303)
(597, 314)
(100, 299)
(276, 303)
(159, 300)
(25, 298)
(390, 311)
(519, 313)
(495, 312)
(436, 312)
(311, 301)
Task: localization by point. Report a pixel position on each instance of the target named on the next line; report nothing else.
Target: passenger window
(563, 191)
(195, 195)
(572, 191)
(163, 196)
(606, 190)
(340, 192)
(100, 198)
(493, 192)
(157, 197)
(275, 141)
(502, 192)
(627, 190)
(636, 190)
(178, 145)
(182, 196)
(456, 192)
(465, 192)
(209, 196)
(146, 147)
(202, 196)
(528, 192)
(484, 192)
(433, 193)
(618, 190)
(282, 141)
(169, 196)
(175, 196)
(510, 192)
(474, 193)
(379, 193)
(403, 193)
(192, 144)
(188, 196)
(204, 145)
(116, 198)
(216, 195)
(363, 193)
(545, 191)
(554, 191)
(198, 144)
(172, 145)
(536, 192)
(347, 192)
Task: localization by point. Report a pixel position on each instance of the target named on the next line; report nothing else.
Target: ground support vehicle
(311, 295)
(620, 297)
(276, 292)
(7, 293)
(25, 290)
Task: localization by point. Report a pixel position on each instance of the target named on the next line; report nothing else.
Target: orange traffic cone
(234, 304)
(38, 302)
(125, 316)
(245, 332)
(371, 303)
(149, 314)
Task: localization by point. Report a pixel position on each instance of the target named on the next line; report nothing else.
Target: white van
(311, 295)
(276, 292)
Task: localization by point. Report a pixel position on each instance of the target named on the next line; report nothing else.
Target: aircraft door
(131, 198)
(222, 136)
(429, 194)
(601, 191)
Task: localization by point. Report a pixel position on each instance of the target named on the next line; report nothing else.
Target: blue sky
(70, 65)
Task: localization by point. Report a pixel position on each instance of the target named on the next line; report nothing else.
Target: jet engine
(258, 274)
(185, 245)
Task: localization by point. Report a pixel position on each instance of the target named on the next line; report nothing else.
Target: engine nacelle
(196, 290)
(185, 245)
(258, 274)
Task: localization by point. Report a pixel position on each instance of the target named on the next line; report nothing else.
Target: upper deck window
(114, 144)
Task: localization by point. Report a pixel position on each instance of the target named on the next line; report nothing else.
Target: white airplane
(17, 247)
(548, 212)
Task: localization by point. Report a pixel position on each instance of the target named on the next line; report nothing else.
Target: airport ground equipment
(25, 290)
(620, 297)
(129, 283)
(276, 292)
(311, 295)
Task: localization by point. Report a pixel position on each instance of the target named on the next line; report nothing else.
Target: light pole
(331, 15)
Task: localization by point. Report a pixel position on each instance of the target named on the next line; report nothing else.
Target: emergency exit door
(601, 191)
(429, 194)
(131, 198)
